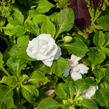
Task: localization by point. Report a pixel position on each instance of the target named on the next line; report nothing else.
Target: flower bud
(67, 39)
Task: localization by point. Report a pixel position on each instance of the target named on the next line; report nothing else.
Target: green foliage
(44, 6)
(77, 47)
(59, 67)
(29, 92)
(96, 57)
(6, 97)
(27, 83)
(99, 39)
(99, 74)
(64, 20)
(102, 97)
(88, 104)
(49, 103)
(103, 22)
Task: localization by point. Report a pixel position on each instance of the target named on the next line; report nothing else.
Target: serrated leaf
(48, 27)
(106, 38)
(96, 57)
(16, 18)
(38, 77)
(31, 26)
(99, 74)
(44, 6)
(99, 39)
(65, 90)
(16, 30)
(21, 40)
(103, 23)
(49, 103)
(89, 104)
(59, 66)
(30, 93)
(6, 97)
(77, 47)
(102, 97)
(65, 20)
(11, 81)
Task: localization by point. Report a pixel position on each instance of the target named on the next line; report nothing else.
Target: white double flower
(76, 69)
(44, 48)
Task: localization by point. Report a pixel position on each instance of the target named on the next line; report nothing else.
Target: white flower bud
(87, 94)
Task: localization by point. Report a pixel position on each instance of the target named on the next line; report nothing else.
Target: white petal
(58, 54)
(48, 63)
(74, 60)
(80, 68)
(66, 72)
(76, 76)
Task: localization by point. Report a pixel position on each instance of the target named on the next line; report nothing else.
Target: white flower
(74, 60)
(77, 70)
(44, 48)
(87, 94)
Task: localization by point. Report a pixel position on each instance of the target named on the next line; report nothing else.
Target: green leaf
(49, 103)
(99, 74)
(21, 40)
(16, 18)
(89, 104)
(2, 21)
(6, 97)
(83, 84)
(106, 38)
(17, 58)
(103, 23)
(102, 97)
(96, 57)
(31, 26)
(1, 58)
(77, 47)
(16, 30)
(106, 79)
(65, 90)
(65, 20)
(40, 19)
(38, 77)
(30, 93)
(48, 27)
(11, 81)
(60, 92)
(44, 6)
(59, 66)
(99, 39)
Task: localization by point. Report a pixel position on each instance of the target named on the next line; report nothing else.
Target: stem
(5, 71)
(56, 35)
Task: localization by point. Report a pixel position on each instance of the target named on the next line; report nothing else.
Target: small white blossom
(87, 94)
(74, 60)
(44, 48)
(77, 71)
